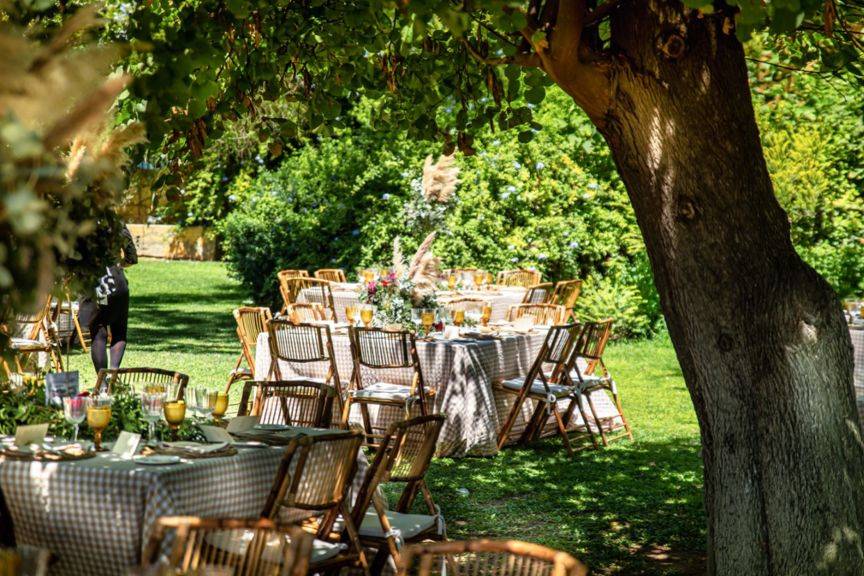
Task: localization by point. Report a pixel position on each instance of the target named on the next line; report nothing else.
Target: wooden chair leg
(617, 400)
(535, 424)
(578, 400)
(503, 436)
(562, 429)
(597, 419)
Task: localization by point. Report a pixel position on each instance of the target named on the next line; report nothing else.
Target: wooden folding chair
(488, 558)
(303, 344)
(311, 487)
(547, 387)
(467, 303)
(376, 349)
(295, 403)
(539, 294)
(403, 457)
(331, 274)
(519, 277)
(566, 294)
(137, 380)
(589, 373)
(317, 291)
(251, 321)
(240, 547)
(283, 275)
(34, 334)
(541, 314)
(300, 312)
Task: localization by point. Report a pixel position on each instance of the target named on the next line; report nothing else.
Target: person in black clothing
(110, 310)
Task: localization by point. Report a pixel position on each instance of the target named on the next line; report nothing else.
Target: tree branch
(601, 12)
(522, 59)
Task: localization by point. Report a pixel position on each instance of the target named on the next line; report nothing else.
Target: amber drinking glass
(458, 317)
(218, 403)
(175, 413)
(98, 418)
(351, 314)
(485, 314)
(367, 313)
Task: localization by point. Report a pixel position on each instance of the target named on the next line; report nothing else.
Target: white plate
(157, 460)
(271, 427)
(250, 444)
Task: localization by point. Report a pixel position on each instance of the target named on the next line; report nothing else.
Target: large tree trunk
(760, 336)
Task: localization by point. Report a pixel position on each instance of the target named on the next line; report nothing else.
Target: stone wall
(173, 243)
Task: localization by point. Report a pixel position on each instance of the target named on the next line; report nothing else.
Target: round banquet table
(95, 515)
(462, 373)
(346, 294)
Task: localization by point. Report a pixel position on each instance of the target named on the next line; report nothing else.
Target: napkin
(33, 434)
(198, 448)
(241, 424)
(216, 434)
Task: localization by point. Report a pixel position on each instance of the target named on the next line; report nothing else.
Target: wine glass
(175, 413)
(427, 318)
(479, 279)
(98, 418)
(351, 314)
(485, 314)
(451, 282)
(202, 402)
(368, 275)
(459, 316)
(367, 312)
(218, 402)
(151, 405)
(75, 411)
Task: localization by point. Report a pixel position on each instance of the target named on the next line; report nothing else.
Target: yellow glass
(451, 281)
(218, 401)
(368, 276)
(489, 278)
(427, 318)
(175, 413)
(154, 389)
(98, 418)
(351, 314)
(485, 315)
(366, 315)
(479, 279)
(458, 317)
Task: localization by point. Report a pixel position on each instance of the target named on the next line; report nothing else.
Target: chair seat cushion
(537, 388)
(408, 525)
(382, 391)
(237, 541)
(28, 345)
(242, 371)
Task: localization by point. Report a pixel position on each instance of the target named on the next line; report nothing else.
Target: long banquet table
(95, 515)
(500, 298)
(462, 373)
(856, 333)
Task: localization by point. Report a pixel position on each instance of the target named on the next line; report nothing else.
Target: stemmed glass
(479, 279)
(175, 413)
(427, 318)
(218, 402)
(351, 314)
(75, 411)
(151, 405)
(459, 316)
(485, 314)
(202, 402)
(98, 418)
(367, 313)
(451, 282)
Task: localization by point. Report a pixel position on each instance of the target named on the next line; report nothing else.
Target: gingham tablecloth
(346, 295)
(857, 336)
(95, 515)
(462, 373)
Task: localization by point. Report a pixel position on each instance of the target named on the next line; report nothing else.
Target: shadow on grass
(190, 322)
(633, 508)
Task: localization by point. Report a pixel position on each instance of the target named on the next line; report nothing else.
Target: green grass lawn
(634, 508)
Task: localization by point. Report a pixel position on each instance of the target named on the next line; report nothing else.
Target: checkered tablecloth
(95, 515)
(462, 373)
(346, 295)
(857, 336)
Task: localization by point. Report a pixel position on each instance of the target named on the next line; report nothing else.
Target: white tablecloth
(462, 373)
(346, 295)
(95, 515)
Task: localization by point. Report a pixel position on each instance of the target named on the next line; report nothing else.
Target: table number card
(126, 445)
(33, 434)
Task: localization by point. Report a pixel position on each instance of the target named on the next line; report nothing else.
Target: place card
(241, 424)
(126, 445)
(216, 434)
(32, 434)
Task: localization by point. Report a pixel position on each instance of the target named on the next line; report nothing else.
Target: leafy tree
(759, 335)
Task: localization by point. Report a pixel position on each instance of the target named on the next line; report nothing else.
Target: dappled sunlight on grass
(633, 508)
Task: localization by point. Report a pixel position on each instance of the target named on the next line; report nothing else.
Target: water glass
(151, 405)
(75, 411)
(202, 402)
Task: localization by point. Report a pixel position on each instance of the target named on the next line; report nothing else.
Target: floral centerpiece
(404, 288)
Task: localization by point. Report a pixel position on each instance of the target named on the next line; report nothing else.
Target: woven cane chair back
(488, 558)
(331, 274)
(539, 293)
(520, 277)
(138, 380)
(251, 321)
(314, 475)
(566, 293)
(560, 344)
(292, 273)
(542, 314)
(295, 402)
(30, 326)
(305, 312)
(298, 342)
(467, 303)
(377, 348)
(317, 291)
(249, 547)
